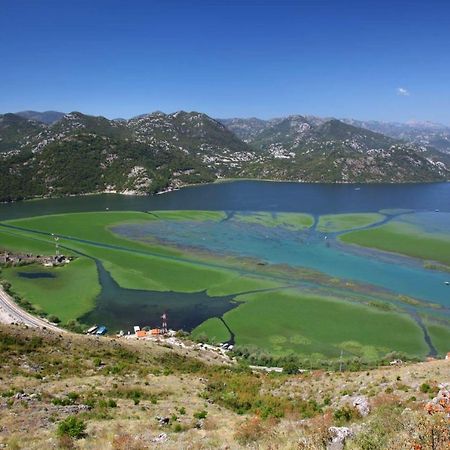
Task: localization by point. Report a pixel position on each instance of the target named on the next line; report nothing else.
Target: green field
(196, 216)
(69, 295)
(20, 241)
(287, 321)
(332, 223)
(440, 335)
(269, 317)
(403, 238)
(90, 226)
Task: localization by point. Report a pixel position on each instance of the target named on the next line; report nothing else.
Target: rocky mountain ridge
(330, 150)
(426, 134)
(153, 152)
(47, 117)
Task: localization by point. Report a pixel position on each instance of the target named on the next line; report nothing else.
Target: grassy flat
(288, 321)
(240, 283)
(403, 238)
(196, 216)
(136, 271)
(340, 222)
(440, 335)
(22, 242)
(128, 267)
(290, 221)
(69, 295)
(215, 329)
(92, 226)
(272, 319)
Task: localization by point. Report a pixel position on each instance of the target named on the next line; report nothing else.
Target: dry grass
(127, 385)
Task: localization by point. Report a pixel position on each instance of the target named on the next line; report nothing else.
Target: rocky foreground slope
(71, 391)
(77, 153)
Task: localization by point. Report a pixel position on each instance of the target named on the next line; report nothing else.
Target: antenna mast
(56, 238)
(164, 323)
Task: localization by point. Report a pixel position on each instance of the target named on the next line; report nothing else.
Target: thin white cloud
(403, 92)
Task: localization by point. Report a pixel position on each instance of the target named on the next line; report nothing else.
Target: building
(141, 333)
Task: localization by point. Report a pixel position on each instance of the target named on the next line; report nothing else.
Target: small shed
(141, 333)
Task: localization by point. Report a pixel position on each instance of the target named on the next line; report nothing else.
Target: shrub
(309, 408)
(73, 396)
(53, 318)
(202, 338)
(291, 368)
(200, 414)
(72, 426)
(75, 326)
(61, 401)
(178, 428)
(250, 431)
(345, 414)
(97, 362)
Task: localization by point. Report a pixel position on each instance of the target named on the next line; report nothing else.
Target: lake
(310, 248)
(253, 196)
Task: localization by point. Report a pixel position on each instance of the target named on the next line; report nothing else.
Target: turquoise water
(309, 249)
(431, 222)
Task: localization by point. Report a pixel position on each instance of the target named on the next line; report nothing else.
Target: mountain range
(54, 154)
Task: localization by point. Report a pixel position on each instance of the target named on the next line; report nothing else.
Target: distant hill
(47, 117)
(426, 134)
(16, 132)
(308, 148)
(80, 153)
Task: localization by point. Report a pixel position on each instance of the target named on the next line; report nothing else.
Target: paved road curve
(10, 312)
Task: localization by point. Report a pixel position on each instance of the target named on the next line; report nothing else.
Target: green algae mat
(282, 282)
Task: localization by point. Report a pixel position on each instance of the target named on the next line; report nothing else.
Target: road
(10, 312)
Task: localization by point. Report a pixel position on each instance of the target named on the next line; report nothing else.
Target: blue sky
(385, 60)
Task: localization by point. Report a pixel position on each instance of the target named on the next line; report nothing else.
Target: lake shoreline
(221, 181)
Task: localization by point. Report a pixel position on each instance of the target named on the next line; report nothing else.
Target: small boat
(101, 331)
(92, 330)
(436, 210)
(447, 283)
(357, 189)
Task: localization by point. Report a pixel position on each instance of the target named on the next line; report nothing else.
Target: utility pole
(56, 238)
(164, 323)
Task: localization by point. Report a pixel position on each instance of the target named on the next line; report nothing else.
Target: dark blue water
(254, 196)
(121, 308)
(35, 275)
